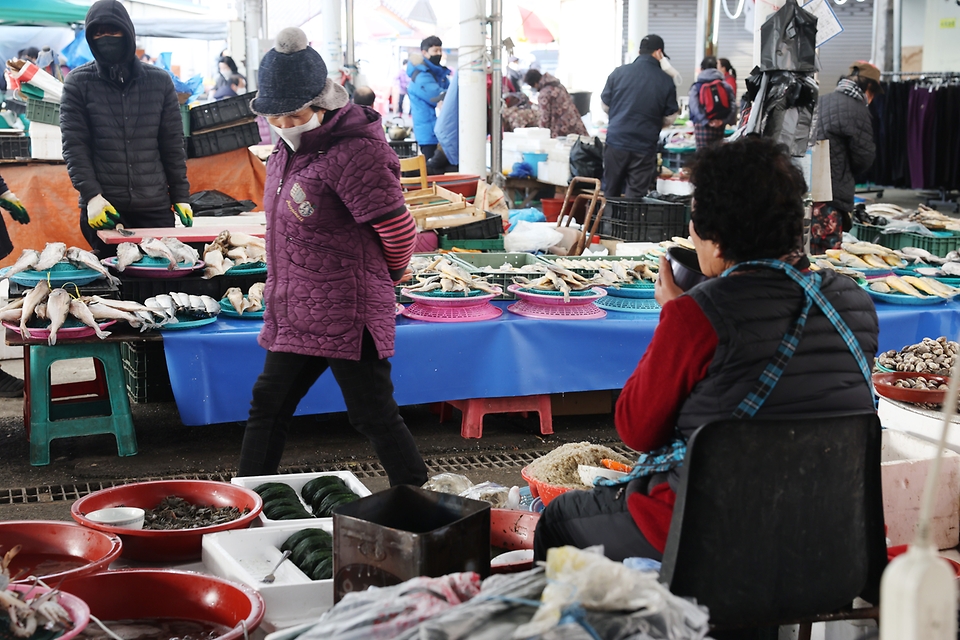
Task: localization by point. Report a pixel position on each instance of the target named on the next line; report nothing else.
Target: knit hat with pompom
(292, 76)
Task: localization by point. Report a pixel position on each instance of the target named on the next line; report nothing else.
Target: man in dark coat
(844, 119)
(122, 133)
(641, 99)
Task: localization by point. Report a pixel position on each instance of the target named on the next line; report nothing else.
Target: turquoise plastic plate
(187, 324)
(227, 309)
(59, 275)
(953, 281)
(904, 299)
(632, 291)
(247, 269)
(628, 305)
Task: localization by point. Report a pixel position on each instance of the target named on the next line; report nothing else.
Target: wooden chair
(779, 521)
(416, 163)
(594, 199)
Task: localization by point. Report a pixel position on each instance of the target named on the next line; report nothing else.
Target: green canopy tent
(42, 12)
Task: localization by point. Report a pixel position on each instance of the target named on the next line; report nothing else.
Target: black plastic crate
(675, 160)
(209, 143)
(215, 114)
(488, 229)
(145, 372)
(404, 148)
(99, 287)
(13, 147)
(642, 219)
(139, 289)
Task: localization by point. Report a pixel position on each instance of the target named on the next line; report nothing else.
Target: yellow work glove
(185, 211)
(10, 202)
(101, 214)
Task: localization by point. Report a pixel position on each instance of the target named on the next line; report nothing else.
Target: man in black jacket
(122, 133)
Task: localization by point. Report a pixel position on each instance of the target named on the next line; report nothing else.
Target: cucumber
(273, 508)
(267, 485)
(329, 502)
(290, 513)
(275, 493)
(323, 570)
(324, 491)
(312, 559)
(314, 485)
(299, 536)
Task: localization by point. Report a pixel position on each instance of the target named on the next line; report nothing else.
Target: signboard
(828, 26)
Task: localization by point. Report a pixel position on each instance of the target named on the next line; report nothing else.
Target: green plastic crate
(399, 288)
(477, 262)
(940, 245)
(477, 245)
(43, 111)
(586, 271)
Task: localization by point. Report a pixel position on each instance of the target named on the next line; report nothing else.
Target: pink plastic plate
(471, 313)
(555, 311)
(452, 301)
(64, 333)
(153, 272)
(76, 608)
(549, 300)
(399, 308)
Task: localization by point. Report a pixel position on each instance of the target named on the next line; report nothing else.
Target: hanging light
(736, 15)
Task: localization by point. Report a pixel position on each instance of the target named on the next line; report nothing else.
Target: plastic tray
(473, 313)
(489, 229)
(150, 267)
(247, 268)
(904, 299)
(247, 555)
(66, 332)
(474, 245)
(940, 245)
(14, 147)
(632, 291)
(227, 310)
(191, 283)
(221, 112)
(61, 274)
(629, 305)
(209, 143)
(475, 263)
(183, 325)
(404, 148)
(296, 482)
(883, 384)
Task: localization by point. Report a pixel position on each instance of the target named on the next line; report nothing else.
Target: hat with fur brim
(292, 77)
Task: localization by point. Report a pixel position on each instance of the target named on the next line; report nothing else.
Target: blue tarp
(213, 368)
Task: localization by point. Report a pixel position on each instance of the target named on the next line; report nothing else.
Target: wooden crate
(439, 208)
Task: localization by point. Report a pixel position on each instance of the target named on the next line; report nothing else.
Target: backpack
(715, 100)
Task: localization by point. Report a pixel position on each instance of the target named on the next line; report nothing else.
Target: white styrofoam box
(45, 141)
(905, 462)
(922, 423)
(247, 555)
(674, 187)
(556, 173)
(511, 158)
(538, 133)
(296, 481)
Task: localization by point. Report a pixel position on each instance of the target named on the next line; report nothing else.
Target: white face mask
(291, 135)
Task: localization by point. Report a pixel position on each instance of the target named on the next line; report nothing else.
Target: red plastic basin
(180, 545)
(543, 490)
(132, 594)
(76, 608)
(45, 544)
(463, 183)
(512, 530)
(893, 552)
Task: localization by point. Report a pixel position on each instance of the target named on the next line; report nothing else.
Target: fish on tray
(58, 308)
(84, 259)
(155, 248)
(51, 255)
(127, 254)
(28, 260)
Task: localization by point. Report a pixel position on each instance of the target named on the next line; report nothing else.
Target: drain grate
(449, 464)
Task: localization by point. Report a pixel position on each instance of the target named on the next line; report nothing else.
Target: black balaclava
(112, 49)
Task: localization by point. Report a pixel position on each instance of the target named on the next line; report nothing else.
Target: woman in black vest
(714, 341)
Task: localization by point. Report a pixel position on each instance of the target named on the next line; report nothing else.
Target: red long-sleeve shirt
(677, 358)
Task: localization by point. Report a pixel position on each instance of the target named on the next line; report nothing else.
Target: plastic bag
(586, 159)
(216, 203)
(531, 237)
(495, 494)
(452, 483)
(788, 40)
(788, 109)
(530, 214)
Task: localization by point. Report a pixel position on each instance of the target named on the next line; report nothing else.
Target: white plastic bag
(531, 237)
(452, 483)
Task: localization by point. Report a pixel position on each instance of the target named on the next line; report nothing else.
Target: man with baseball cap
(844, 119)
(641, 99)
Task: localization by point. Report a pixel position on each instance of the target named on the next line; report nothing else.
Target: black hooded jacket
(121, 126)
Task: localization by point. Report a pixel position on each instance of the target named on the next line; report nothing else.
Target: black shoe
(10, 386)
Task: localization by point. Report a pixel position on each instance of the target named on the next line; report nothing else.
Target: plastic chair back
(778, 520)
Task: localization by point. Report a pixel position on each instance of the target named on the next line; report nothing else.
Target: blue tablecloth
(213, 368)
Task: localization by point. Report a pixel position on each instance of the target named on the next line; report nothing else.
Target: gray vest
(750, 313)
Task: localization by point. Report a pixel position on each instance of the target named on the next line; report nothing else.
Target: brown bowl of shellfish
(909, 386)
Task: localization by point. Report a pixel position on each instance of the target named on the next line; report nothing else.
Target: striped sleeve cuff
(398, 235)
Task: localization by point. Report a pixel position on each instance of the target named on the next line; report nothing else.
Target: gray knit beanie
(293, 76)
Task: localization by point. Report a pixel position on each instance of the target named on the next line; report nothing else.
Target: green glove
(185, 211)
(101, 214)
(10, 202)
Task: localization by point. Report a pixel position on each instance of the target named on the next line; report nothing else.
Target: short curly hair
(748, 199)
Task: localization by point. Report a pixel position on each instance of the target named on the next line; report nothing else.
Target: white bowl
(126, 517)
(589, 474)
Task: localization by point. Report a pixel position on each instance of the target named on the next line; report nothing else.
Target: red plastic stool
(474, 409)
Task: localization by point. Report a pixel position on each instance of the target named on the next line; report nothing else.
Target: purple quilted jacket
(327, 276)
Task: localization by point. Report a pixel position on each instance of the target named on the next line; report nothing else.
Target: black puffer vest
(750, 313)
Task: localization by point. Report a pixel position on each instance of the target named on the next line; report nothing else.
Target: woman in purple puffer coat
(338, 236)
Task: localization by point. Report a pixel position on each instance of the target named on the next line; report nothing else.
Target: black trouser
(427, 150)
(368, 392)
(139, 220)
(626, 173)
(587, 518)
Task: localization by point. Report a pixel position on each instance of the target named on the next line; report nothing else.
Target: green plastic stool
(76, 408)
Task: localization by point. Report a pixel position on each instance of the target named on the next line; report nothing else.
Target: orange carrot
(615, 466)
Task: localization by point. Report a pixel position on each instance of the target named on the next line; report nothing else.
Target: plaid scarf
(849, 88)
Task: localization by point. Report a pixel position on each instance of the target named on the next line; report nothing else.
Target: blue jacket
(640, 95)
(427, 82)
(448, 123)
(696, 109)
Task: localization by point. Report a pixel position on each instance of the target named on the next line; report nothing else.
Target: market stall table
(213, 368)
(198, 233)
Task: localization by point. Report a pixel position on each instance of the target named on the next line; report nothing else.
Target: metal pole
(331, 48)
(897, 33)
(351, 62)
(252, 11)
(473, 88)
(496, 90)
(639, 20)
